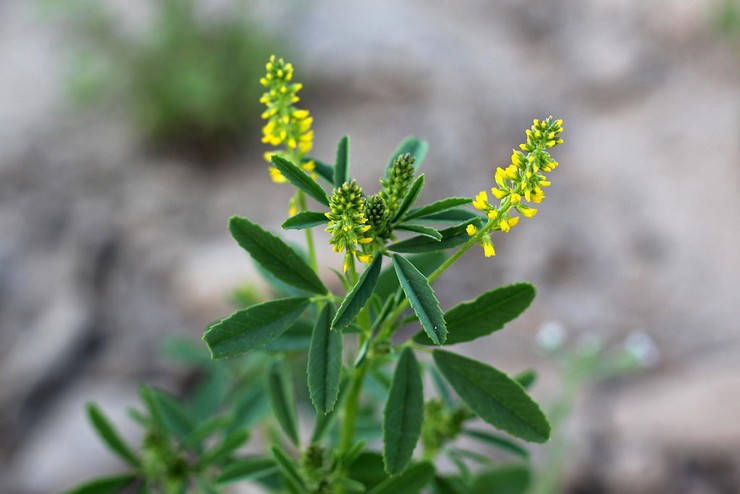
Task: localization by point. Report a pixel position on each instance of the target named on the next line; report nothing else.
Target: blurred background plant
(725, 17)
(187, 80)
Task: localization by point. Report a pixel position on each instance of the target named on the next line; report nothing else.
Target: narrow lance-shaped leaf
(109, 434)
(422, 299)
(282, 397)
(305, 219)
(486, 314)
(358, 296)
(411, 481)
(224, 449)
(274, 255)
(253, 327)
(410, 198)
(300, 179)
(438, 207)
(494, 397)
(421, 229)
(246, 469)
(324, 363)
(288, 469)
(104, 485)
(451, 237)
(413, 145)
(341, 168)
(403, 415)
(499, 442)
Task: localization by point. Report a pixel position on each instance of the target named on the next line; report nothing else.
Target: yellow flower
(286, 124)
(521, 181)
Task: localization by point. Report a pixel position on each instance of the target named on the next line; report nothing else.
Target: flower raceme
(519, 183)
(286, 125)
(347, 223)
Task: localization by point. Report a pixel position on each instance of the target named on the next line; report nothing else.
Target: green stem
(350, 408)
(309, 233)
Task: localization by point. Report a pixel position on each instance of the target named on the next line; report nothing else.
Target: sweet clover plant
(356, 404)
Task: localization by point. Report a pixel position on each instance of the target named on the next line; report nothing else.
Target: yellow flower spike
(471, 229)
(286, 125)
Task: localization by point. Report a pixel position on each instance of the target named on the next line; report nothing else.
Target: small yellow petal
(471, 229)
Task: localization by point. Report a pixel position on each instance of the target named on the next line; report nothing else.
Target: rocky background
(107, 248)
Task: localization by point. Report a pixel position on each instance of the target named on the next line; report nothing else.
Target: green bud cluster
(398, 182)
(376, 213)
(347, 222)
(441, 425)
(313, 464)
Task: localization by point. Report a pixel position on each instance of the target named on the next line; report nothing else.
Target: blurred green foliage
(187, 78)
(726, 19)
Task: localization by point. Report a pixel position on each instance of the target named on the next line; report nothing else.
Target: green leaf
(204, 430)
(526, 378)
(438, 207)
(403, 415)
(296, 338)
(250, 468)
(109, 434)
(410, 198)
(253, 327)
(411, 481)
(358, 296)
(104, 485)
(450, 485)
(282, 397)
(426, 263)
(341, 168)
(224, 449)
(288, 469)
(494, 397)
(173, 414)
(300, 179)
(324, 423)
(499, 442)
(422, 299)
(304, 219)
(324, 363)
(416, 147)
(326, 172)
(454, 216)
(510, 479)
(275, 255)
(451, 237)
(484, 315)
(367, 468)
(423, 230)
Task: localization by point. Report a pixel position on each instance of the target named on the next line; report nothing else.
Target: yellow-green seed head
(347, 222)
(398, 182)
(376, 213)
